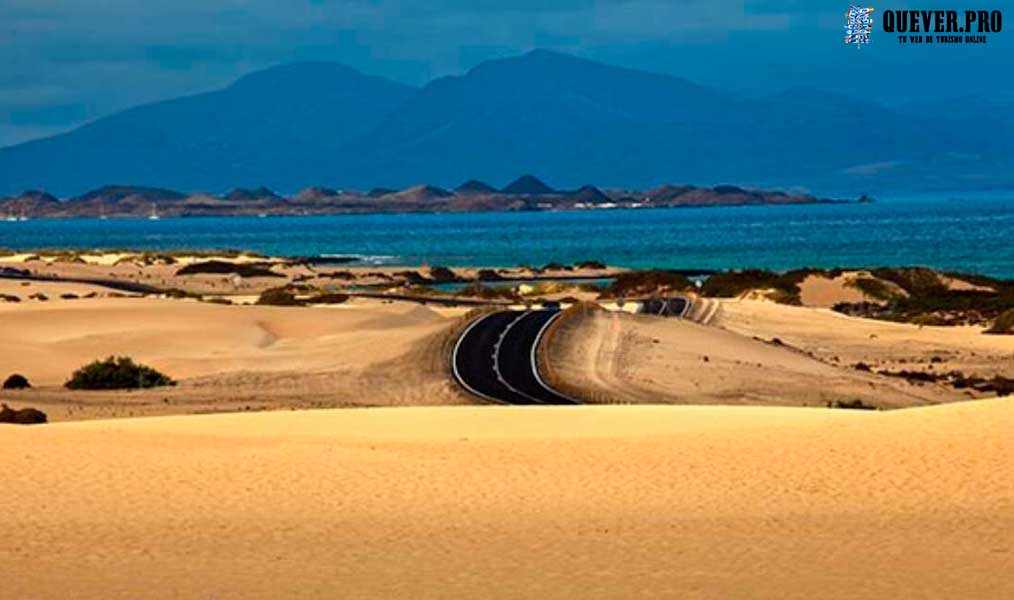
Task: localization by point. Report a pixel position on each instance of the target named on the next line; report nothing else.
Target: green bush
(730, 284)
(489, 292)
(646, 283)
(329, 298)
(856, 404)
(279, 297)
(219, 267)
(443, 275)
(873, 288)
(116, 373)
(16, 382)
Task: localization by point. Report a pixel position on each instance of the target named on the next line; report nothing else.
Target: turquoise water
(965, 232)
(601, 282)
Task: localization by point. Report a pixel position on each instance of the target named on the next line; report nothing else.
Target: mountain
(527, 185)
(113, 194)
(527, 193)
(571, 119)
(589, 194)
(245, 195)
(419, 194)
(28, 203)
(315, 194)
(474, 186)
(278, 127)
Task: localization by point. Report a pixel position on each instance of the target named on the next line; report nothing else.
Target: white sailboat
(22, 217)
(154, 214)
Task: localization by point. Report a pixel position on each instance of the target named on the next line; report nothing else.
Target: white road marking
(535, 361)
(454, 362)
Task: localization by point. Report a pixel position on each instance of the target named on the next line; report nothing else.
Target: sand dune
(589, 502)
(615, 357)
(226, 357)
(47, 341)
(880, 343)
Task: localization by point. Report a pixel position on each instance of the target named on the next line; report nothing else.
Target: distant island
(527, 193)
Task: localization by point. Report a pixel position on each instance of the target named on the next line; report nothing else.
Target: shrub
(116, 373)
(873, 288)
(1004, 324)
(591, 264)
(856, 404)
(346, 275)
(329, 298)
(1002, 386)
(177, 294)
(914, 280)
(24, 416)
(733, 283)
(16, 382)
(477, 290)
(644, 283)
(488, 275)
(443, 275)
(279, 297)
(413, 277)
(9, 298)
(219, 267)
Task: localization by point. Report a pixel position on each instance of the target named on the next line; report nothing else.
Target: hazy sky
(69, 61)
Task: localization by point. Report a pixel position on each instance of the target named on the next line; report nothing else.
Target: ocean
(970, 232)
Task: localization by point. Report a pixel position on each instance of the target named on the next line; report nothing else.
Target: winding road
(666, 307)
(496, 358)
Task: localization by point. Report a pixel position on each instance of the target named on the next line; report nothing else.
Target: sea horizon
(958, 231)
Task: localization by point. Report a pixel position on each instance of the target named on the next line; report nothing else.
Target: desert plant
(488, 275)
(329, 298)
(443, 275)
(116, 373)
(644, 283)
(485, 292)
(16, 382)
(219, 267)
(856, 404)
(24, 416)
(873, 288)
(279, 297)
(729, 284)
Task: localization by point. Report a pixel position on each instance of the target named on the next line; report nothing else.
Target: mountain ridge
(317, 123)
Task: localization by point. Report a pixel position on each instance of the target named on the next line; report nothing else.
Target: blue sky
(66, 62)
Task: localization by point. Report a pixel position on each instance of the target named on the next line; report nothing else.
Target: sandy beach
(591, 502)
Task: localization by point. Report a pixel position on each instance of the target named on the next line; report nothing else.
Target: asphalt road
(666, 307)
(495, 358)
